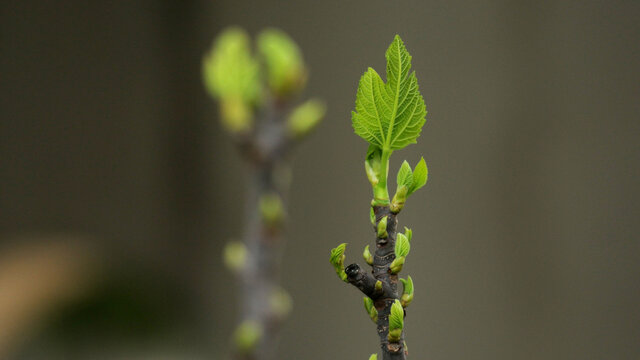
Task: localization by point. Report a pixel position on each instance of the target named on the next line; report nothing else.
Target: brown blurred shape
(35, 279)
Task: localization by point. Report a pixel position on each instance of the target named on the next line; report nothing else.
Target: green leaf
(405, 176)
(373, 357)
(402, 245)
(390, 116)
(396, 317)
(420, 176)
(286, 73)
(337, 260)
(229, 70)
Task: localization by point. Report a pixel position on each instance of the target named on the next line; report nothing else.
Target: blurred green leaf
(286, 73)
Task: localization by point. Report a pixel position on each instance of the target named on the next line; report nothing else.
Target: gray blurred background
(118, 186)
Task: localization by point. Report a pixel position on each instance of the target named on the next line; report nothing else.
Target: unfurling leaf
(305, 117)
(372, 164)
(371, 310)
(396, 321)
(407, 291)
(420, 176)
(337, 260)
(390, 115)
(286, 73)
(373, 357)
(402, 245)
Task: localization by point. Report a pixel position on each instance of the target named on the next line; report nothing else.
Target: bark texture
(365, 281)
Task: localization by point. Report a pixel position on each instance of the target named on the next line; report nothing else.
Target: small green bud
(382, 228)
(396, 321)
(372, 217)
(378, 286)
(373, 357)
(235, 255)
(247, 336)
(400, 197)
(407, 292)
(304, 118)
(371, 310)
(396, 265)
(281, 303)
(367, 255)
(337, 260)
(271, 209)
(286, 72)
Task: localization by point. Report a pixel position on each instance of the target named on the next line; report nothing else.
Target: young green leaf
(337, 260)
(420, 176)
(231, 74)
(286, 73)
(396, 321)
(229, 69)
(371, 310)
(372, 164)
(405, 176)
(390, 116)
(402, 245)
(373, 357)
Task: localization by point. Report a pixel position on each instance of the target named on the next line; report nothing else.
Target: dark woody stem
(365, 281)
